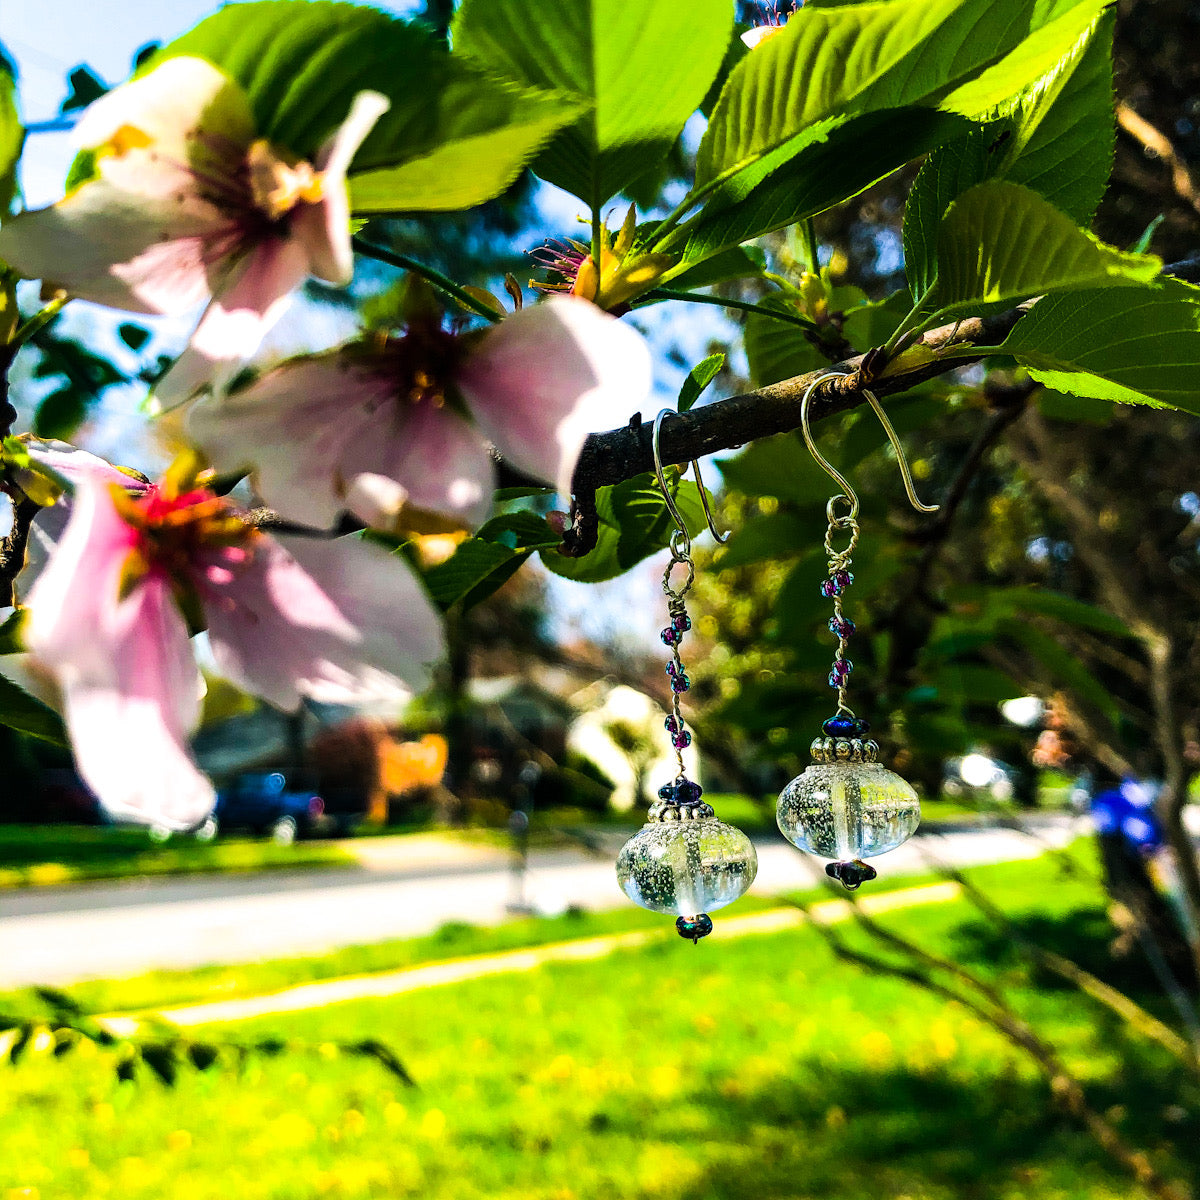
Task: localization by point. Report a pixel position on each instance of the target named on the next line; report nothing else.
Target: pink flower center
(184, 536)
(423, 363)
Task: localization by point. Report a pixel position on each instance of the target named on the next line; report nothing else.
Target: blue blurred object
(263, 802)
(1129, 811)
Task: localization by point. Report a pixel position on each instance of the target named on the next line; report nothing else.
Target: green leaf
(945, 175)
(11, 638)
(62, 412)
(777, 349)
(862, 57)
(1058, 607)
(700, 376)
(779, 466)
(1057, 139)
(1062, 147)
(829, 164)
(1141, 346)
(643, 75)
(134, 336)
(12, 138)
(473, 567)
(519, 531)
(20, 710)
(453, 136)
(766, 539)
(86, 87)
(738, 262)
(486, 132)
(1000, 243)
(633, 524)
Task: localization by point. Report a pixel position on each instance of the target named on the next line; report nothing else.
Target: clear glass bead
(848, 810)
(686, 867)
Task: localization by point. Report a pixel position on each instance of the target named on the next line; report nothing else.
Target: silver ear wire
(685, 540)
(836, 476)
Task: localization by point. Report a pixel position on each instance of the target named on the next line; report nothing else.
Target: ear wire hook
(835, 475)
(681, 536)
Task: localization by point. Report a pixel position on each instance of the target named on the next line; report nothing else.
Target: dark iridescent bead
(841, 669)
(680, 683)
(672, 669)
(843, 579)
(667, 792)
(687, 792)
(682, 740)
(829, 589)
(843, 627)
(671, 725)
(845, 727)
(834, 681)
(695, 927)
(682, 623)
(669, 636)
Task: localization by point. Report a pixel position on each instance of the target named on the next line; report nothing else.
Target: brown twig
(995, 1011)
(12, 548)
(1157, 142)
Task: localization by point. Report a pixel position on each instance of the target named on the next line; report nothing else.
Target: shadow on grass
(900, 1132)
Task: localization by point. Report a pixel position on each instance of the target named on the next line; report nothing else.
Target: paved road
(62, 935)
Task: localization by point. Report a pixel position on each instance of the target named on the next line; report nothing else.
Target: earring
(683, 860)
(847, 806)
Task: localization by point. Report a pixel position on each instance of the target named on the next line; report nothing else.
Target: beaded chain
(832, 588)
(681, 790)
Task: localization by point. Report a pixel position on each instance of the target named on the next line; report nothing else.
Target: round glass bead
(671, 725)
(843, 579)
(680, 683)
(829, 589)
(843, 627)
(682, 623)
(848, 810)
(844, 726)
(686, 867)
(682, 740)
(841, 669)
(672, 669)
(669, 636)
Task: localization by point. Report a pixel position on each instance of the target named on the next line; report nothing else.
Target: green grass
(750, 1069)
(32, 855)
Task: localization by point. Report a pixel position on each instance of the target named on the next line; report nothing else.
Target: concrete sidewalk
(411, 979)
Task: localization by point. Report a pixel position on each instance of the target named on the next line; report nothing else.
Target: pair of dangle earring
(683, 860)
(847, 806)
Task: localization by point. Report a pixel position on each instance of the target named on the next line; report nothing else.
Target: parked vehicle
(264, 803)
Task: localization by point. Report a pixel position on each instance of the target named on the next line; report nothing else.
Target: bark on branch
(621, 454)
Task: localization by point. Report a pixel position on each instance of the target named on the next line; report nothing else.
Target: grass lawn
(32, 855)
(756, 1068)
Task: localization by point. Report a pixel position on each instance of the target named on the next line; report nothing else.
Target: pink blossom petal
(143, 235)
(544, 378)
(73, 464)
(338, 620)
(108, 246)
(329, 434)
(129, 741)
(130, 687)
(324, 228)
(236, 321)
(74, 602)
(172, 106)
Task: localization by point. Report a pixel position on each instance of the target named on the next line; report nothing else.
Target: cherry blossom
(138, 570)
(396, 430)
(186, 205)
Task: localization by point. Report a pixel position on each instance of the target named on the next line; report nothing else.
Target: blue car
(264, 803)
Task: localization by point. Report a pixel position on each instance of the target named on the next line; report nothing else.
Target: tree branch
(620, 454)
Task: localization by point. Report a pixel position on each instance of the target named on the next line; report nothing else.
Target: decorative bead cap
(841, 749)
(671, 810)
